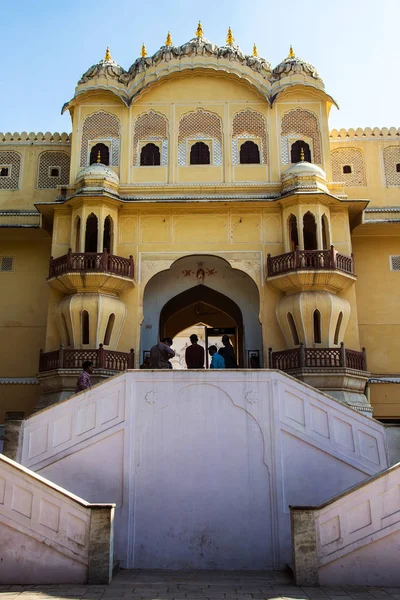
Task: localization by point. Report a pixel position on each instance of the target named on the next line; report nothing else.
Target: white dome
(305, 168)
(98, 171)
(304, 176)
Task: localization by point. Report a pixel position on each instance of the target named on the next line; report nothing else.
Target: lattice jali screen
(348, 157)
(149, 127)
(200, 125)
(395, 262)
(249, 124)
(298, 123)
(13, 160)
(391, 158)
(61, 160)
(100, 127)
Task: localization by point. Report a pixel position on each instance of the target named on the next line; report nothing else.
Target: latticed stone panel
(300, 124)
(391, 158)
(249, 124)
(48, 160)
(150, 126)
(100, 127)
(353, 158)
(12, 160)
(200, 125)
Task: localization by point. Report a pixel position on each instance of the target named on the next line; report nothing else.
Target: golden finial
(255, 51)
(143, 52)
(168, 41)
(291, 53)
(229, 38)
(302, 158)
(98, 157)
(107, 55)
(199, 31)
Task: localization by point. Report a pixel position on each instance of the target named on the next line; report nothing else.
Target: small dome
(305, 168)
(294, 65)
(304, 177)
(107, 67)
(98, 171)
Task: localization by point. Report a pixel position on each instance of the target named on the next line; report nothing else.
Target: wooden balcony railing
(91, 262)
(318, 358)
(309, 260)
(73, 358)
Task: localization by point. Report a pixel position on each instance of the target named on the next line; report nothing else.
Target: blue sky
(47, 45)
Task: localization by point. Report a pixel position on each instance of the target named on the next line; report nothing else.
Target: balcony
(73, 358)
(340, 372)
(311, 270)
(91, 271)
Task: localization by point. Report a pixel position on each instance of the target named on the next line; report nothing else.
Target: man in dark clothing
(160, 354)
(194, 355)
(228, 353)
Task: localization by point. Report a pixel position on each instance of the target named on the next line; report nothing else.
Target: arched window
(347, 169)
(296, 152)
(397, 167)
(109, 328)
(293, 233)
(293, 329)
(150, 155)
(325, 232)
(249, 153)
(309, 232)
(108, 235)
(199, 154)
(85, 327)
(317, 326)
(104, 154)
(77, 241)
(91, 234)
(66, 332)
(338, 326)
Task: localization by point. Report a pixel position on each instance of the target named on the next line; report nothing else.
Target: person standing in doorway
(194, 354)
(228, 353)
(161, 353)
(84, 382)
(217, 362)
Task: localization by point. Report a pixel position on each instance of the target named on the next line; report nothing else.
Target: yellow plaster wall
(378, 300)
(385, 399)
(23, 315)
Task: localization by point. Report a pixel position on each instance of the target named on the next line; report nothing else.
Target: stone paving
(197, 585)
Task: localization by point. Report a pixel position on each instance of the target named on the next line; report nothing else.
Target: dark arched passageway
(201, 303)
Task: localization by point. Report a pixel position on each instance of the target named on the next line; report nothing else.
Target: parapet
(29, 138)
(365, 133)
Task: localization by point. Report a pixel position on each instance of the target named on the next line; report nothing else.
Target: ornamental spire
(168, 41)
(229, 38)
(199, 30)
(302, 157)
(291, 53)
(98, 157)
(107, 55)
(255, 51)
(143, 52)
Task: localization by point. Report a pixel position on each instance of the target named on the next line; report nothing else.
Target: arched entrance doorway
(203, 308)
(203, 291)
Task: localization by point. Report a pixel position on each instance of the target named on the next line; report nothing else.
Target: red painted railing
(73, 358)
(318, 358)
(315, 260)
(91, 262)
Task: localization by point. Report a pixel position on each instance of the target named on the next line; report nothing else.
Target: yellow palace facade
(201, 188)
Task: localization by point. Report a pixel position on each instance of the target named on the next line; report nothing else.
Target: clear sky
(47, 45)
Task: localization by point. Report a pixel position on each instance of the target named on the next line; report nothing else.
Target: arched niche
(91, 233)
(192, 274)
